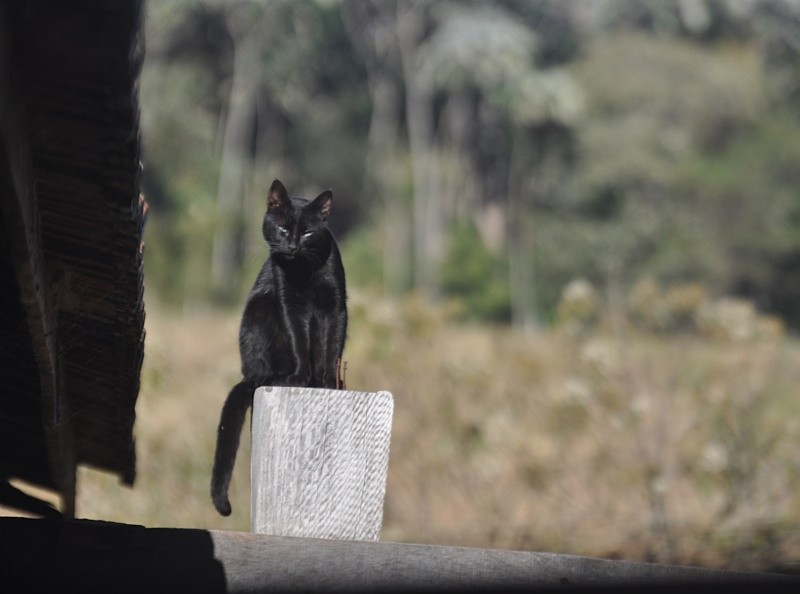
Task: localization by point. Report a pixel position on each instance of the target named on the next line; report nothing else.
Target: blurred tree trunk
(235, 168)
(372, 27)
(427, 211)
(521, 247)
(460, 191)
(382, 166)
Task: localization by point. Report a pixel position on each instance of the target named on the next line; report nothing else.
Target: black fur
(294, 324)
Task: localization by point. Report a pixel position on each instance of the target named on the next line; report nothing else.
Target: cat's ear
(277, 197)
(323, 204)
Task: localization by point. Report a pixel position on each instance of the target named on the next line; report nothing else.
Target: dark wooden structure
(70, 243)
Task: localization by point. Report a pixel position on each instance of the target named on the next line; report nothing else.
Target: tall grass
(606, 439)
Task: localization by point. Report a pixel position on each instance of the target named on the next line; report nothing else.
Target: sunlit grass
(674, 448)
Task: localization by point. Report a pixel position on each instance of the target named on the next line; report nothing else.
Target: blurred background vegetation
(571, 231)
(484, 152)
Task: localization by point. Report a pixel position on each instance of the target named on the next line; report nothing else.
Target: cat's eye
(283, 231)
(307, 234)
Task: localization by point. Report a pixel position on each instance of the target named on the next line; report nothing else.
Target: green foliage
(746, 202)
(361, 256)
(644, 142)
(179, 180)
(474, 277)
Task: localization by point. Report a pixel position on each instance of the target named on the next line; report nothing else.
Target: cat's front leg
(301, 353)
(301, 376)
(302, 380)
(321, 377)
(331, 342)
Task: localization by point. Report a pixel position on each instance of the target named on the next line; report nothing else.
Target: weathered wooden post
(319, 461)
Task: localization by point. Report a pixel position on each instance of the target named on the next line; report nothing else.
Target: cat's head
(296, 227)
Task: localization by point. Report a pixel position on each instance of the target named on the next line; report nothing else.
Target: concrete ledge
(88, 556)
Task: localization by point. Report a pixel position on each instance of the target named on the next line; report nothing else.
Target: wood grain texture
(319, 462)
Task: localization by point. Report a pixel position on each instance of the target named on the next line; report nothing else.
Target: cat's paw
(297, 379)
(330, 383)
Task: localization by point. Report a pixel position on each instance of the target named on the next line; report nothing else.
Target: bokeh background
(571, 231)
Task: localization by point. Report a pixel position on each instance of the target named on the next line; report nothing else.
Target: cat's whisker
(255, 251)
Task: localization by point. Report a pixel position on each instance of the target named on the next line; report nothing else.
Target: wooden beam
(38, 290)
(85, 556)
(319, 462)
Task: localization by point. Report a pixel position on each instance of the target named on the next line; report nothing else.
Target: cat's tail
(228, 433)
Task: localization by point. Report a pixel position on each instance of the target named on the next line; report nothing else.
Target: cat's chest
(312, 294)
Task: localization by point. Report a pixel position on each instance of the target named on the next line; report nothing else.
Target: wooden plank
(319, 462)
(38, 290)
(316, 565)
(86, 556)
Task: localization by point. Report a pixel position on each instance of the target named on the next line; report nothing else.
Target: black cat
(294, 324)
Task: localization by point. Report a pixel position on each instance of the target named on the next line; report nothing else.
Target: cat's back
(265, 281)
(336, 264)
(260, 319)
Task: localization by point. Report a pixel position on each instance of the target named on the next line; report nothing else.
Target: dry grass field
(603, 440)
